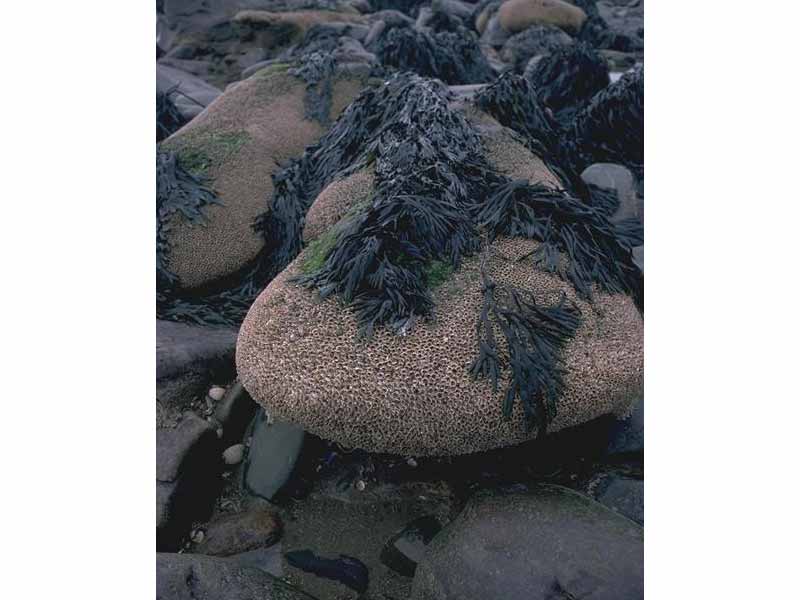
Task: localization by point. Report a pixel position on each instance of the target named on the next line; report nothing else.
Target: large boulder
(518, 15)
(409, 385)
(549, 543)
(236, 144)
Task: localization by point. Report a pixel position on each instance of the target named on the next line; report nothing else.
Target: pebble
(216, 393)
(233, 455)
(198, 535)
(411, 463)
(360, 485)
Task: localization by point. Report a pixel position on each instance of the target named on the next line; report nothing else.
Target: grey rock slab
(189, 358)
(546, 544)
(274, 449)
(193, 577)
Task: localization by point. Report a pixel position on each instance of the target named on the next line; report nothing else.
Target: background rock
(188, 577)
(549, 543)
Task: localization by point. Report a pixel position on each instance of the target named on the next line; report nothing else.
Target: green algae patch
(199, 151)
(437, 272)
(318, 250)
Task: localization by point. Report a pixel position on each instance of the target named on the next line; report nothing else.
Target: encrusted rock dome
(237, 143)
(409, 388)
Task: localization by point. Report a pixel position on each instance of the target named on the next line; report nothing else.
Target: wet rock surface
(549, 542)
(186, 577)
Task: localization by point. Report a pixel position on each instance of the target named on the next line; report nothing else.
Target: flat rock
(274, 448)
(192, 94)
(188, 358)
(192, 577)
(546, 544)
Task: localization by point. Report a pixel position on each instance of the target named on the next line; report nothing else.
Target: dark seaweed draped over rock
(435, 196)
(512, 100)
(430, 168)
(453, 57)
(177, 191)
(168, 117)
(611, 127)
(568, 78)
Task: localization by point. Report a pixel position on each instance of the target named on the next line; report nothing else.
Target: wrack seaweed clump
(429, 171)
(453, 57)
(566, 79)
(437, 200)
(611, 127)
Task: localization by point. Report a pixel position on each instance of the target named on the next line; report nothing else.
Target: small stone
(216, 393)
(219, 433)
(360, 485)
(233, 455)
(411, 463)
(273, 452)
(198, 535)
(259, 527)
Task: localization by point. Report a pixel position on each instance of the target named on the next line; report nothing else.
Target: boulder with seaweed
(217, 178)
(453, 296)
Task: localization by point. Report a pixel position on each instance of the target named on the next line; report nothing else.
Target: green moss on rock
(199, 151)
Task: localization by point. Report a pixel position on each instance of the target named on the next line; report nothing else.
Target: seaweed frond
(534, 337)
(597, 250)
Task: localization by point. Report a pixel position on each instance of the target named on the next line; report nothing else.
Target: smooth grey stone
(375, 31)
(273, 451)
(195, 577)
(549, 543)
(455, 8)
(620, 179)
